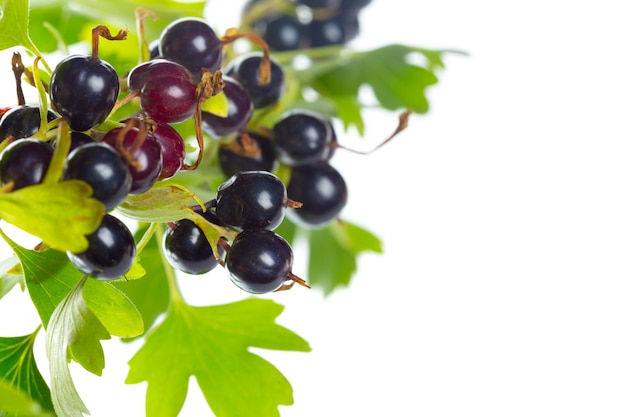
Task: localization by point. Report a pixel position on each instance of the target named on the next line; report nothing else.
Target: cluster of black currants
(186, 67)
(309, 23)
(258, 260)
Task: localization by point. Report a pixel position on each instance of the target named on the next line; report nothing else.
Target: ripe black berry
(235, 157)
(25, 162)
(103, 168)
(192, 43)
(259, 261)
(251, 200)
(245, 69)
(83, 90)
(22, 121)
(145, 158)
(111, 251)
(187, 248)
(302, 137)
(322, 191)
(240, 110)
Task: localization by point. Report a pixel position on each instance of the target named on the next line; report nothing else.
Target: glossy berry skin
(111, 251)
(187, 248)
(302, 137)
(245, 69)
(168, 99)
(103, 168)
(148, 157)
(282, 32)
(83, 90)
(327, 32)
(232, 162)
(172, 149)
(251, 200)
(157, 68)
(25, 162)
(22, 121)
(259, 261)
(322, 191)
(192, 43)
(240, 110)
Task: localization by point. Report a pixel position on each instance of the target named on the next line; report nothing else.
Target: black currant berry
(245, 69)
(302, 137)
(187, 248)
(322, 191)
(83, 90)
(192, 43)
(145, 158)
(240, 110)
(172, 148)
(327, 32)
(259, 261)
(282, 32)
(22, 121)
(103, 168)
(24, 162)
(234, 156)
(157, 68)
(111, 251)
(252, 200)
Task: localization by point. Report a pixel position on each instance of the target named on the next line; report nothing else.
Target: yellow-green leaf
(60, 214)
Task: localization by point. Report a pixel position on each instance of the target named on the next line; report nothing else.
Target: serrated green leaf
(70, 213)
(349, 111)
(150, 294)
(14, 25)
(19, 371)
(333, 252)
(396, 83)
(84, 332)
(158, 204)
(49, 277)
(212, 344)
(16, 402)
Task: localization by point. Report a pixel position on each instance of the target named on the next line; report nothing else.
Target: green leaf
(212, 344)
(91, 312)
(62, 331)
(16, 402)
(333, 252)
(150, 294)
(14, 25)
(49, 277)
(113, 309)
(159, 204)
(349, 111)
(70, 213)
(19, 371)
(395, 81)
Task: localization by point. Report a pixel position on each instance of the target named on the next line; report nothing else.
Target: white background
(503, 284)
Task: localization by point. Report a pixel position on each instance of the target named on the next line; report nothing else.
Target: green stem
(146, 237)
(175, 295)
(61, 149)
